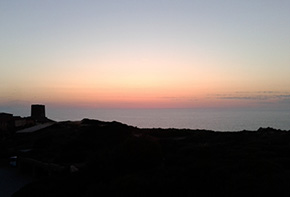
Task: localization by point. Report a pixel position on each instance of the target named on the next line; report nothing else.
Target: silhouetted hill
(92, 158)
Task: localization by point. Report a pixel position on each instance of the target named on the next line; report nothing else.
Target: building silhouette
(38, 112)
(6, 124)
(9, 123)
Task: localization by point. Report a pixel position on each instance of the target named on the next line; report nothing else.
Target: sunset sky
(145, 54)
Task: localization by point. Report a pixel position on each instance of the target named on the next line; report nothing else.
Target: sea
(209, 119)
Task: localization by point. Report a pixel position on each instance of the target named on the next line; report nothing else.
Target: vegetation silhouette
(91, 158)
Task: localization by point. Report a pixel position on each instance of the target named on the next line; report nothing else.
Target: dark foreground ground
(94, 158)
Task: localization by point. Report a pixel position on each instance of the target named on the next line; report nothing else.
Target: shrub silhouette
(140, 153)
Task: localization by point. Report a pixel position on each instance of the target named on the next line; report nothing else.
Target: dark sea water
(212, 119)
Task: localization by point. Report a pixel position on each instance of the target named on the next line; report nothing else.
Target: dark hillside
(91, 157)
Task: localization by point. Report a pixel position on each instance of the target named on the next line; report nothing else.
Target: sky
(145, 54)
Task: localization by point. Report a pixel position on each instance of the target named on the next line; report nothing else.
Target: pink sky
(145, 54)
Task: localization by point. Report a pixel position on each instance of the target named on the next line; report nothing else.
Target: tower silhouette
(38, 112)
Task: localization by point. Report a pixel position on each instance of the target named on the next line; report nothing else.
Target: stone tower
(38, 112)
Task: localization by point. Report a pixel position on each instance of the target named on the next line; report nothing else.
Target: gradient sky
(145, 54)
